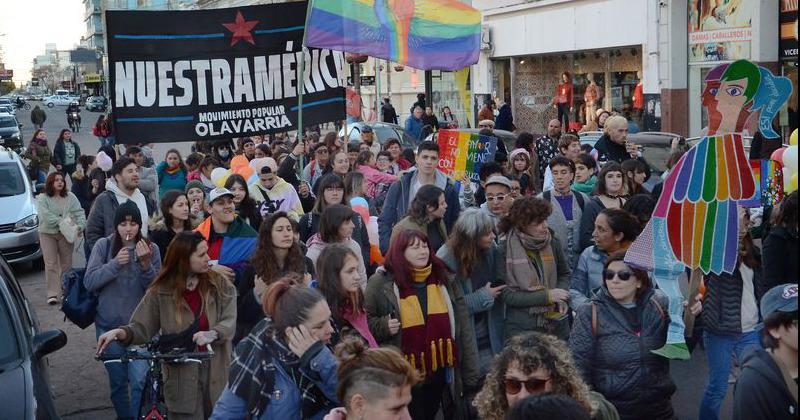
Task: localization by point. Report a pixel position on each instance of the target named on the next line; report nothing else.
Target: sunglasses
(499, 198)
(533, 385)
(623, 275)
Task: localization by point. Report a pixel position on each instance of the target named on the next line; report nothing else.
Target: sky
(29, 24)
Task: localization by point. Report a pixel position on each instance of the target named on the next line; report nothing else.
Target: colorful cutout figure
(694, 223)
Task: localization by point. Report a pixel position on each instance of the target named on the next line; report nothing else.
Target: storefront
(530, 47)
(604, 78)
(787, 49)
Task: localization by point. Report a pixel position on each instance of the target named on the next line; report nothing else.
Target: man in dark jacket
(123, 186)
(38, 117)
(767, 386)
(389, 115)
(505, 120)
(400, 194)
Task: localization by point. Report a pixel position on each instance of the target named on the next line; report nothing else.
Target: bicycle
(152, 405)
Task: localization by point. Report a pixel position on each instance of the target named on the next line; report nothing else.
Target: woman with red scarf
(413, 304)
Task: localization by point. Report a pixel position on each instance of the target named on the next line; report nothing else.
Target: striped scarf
(427, 341)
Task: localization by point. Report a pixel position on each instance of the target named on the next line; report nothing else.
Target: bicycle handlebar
(174, 357)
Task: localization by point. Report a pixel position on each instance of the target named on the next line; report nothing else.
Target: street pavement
(80, 383)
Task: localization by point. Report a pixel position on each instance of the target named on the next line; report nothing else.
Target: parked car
(96, 104)
(6, 101)
(24, 375)
(382, 130)
(8, 109)
(507, 137)
(590, 137)
(19, 222)
(60, 100)
(10, 132)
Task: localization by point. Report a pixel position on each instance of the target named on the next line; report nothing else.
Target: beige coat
(156, 313)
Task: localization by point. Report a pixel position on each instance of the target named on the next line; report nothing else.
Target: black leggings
(426, 398)
(563, 116)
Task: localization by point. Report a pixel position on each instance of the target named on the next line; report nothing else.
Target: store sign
(218, 73)
(720, 32)
(6, 74)
(788, 30)
(92, 78)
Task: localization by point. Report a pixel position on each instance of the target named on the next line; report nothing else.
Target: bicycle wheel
(27, 107)
(149, 400)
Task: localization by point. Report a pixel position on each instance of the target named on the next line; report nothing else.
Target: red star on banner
(241, 29)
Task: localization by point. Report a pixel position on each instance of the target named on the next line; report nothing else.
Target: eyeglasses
(623, 275)
(499, 198)
(485, 126)
(533, 385)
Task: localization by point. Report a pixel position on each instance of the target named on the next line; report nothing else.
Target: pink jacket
(375, 177)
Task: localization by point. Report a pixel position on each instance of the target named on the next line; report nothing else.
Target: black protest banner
(218, 73)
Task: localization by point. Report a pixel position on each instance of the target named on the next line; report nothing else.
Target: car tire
(50, 104)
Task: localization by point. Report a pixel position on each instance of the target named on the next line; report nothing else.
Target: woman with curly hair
(535, 270)
(277, 253)
(533, 364)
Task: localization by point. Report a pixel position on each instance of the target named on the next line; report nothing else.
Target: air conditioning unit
(486, 38)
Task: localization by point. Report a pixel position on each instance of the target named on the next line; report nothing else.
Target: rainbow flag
(423, 34)
(463, 152)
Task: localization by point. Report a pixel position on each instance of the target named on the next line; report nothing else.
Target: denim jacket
(587, 276)
(285, 401)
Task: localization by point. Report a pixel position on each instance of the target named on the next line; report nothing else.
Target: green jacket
(407, 223)
(381, 298)
(519, 318)
(51, 212)
(40, 156)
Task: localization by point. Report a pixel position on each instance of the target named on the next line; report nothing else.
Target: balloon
(790, 158)
(252, 180)
(777, 155)
(792, 183)
(787, 179)
(245, 171)
(217, 174)
(793, 138)
(239, 161)
(221, 182)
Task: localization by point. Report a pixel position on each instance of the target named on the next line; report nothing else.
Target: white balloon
(217, 174)
(790, 158)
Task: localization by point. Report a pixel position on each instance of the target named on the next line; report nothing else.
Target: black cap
(126, 210)
(366, 129)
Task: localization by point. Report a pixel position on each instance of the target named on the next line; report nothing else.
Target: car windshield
(9, 345)
(12, 181)
(8, 122)
(383, 132)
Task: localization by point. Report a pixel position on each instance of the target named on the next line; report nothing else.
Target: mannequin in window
(591, 97)
(638, 100)
(562, 101)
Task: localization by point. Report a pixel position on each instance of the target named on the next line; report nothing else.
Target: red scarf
(427, 342)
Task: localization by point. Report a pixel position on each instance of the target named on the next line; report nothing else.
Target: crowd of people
(356, 280)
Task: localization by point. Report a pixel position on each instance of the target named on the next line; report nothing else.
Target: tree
(6, 87)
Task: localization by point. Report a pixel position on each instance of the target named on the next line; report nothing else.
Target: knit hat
(193, 184)
(519, 151)
(126, 210)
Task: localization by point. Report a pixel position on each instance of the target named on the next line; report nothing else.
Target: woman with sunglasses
(536, 364)
(614, 230)
(612, 341)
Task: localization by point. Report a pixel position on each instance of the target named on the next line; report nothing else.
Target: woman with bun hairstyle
(283, 369)
(338, 281)
(374, 383)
